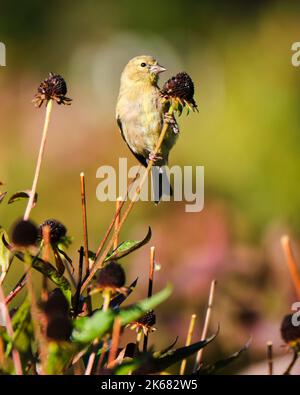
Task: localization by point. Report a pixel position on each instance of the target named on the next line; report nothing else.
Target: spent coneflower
(54, 87)
(57, 323)
(24, 233)
(290, 333)
(179, 92)
(112, 277)
(51, 89)
(145, 324)
(57, 230)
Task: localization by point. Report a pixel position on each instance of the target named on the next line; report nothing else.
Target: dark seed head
(182, 87)
(111, 276)
(148, 319)
(59, 328)
(24, 233)
(57, 230)
(54, 87)
(56, 303)
(289, 332)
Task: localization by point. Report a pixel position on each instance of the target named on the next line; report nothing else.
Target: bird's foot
(172, 122)
(155, 157)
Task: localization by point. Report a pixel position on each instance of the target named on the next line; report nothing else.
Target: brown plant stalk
(99, 264)
(188, 342)
(39, 161)
(291, 262)
(150, 288)
(206, 323)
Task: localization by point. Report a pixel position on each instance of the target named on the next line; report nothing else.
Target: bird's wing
(140, 158)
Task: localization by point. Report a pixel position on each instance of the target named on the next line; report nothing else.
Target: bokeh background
(246, 135)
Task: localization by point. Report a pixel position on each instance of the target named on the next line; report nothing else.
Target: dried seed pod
(56, 303)
(57, 323)
(180, 90)
(59, 328)
(289, 332)
(54, 87)
(111, 276)
(57, 230)
(145, 323)
(149, 319)
(24, 233)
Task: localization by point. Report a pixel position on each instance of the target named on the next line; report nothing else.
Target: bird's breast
(142, 117)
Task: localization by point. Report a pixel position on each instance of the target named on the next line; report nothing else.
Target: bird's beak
(157, 69)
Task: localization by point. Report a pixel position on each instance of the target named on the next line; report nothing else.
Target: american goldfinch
(140, 115)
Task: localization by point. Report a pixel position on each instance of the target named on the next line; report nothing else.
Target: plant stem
(291, 365)
(10, 331)
(84, 220)
(91, 361)
(46, 257)
(107, 233)
(206, 323)
(270, 357)
(291, 262)
(150, 288)
(77, 294)
(98, 264)
(188, 342)
(39, 161)
(35, 315)
(114, 342)
(117, 222)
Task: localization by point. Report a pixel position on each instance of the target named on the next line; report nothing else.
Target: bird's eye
(143, 64)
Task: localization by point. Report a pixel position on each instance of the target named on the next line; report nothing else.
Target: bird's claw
(172, 122)
(155, 157)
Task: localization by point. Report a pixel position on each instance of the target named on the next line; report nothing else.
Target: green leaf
(133, 313)
(58, 357)
(87, 329)
(49, 271)
(22, 327)
(20, 195)
(45, 268)
(127, 247)
(130, 365)
(159, 354)
(222, 363)
(120, 298)
(4, 252)
(154, 365)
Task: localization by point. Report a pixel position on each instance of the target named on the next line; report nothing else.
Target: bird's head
(142, 68)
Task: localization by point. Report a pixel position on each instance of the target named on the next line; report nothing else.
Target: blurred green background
(246, 135)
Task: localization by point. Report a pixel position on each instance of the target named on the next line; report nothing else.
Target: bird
(140, 115)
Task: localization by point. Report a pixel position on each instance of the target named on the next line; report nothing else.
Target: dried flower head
(24, 233)
(57, 230)
(54, 87)
(56, 303)
(57, 321)
(179, 91)
(112, 277)
(290, 333)
(59, 328)
(146, 323)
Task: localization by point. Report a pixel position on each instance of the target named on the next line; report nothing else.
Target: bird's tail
(160, 183)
